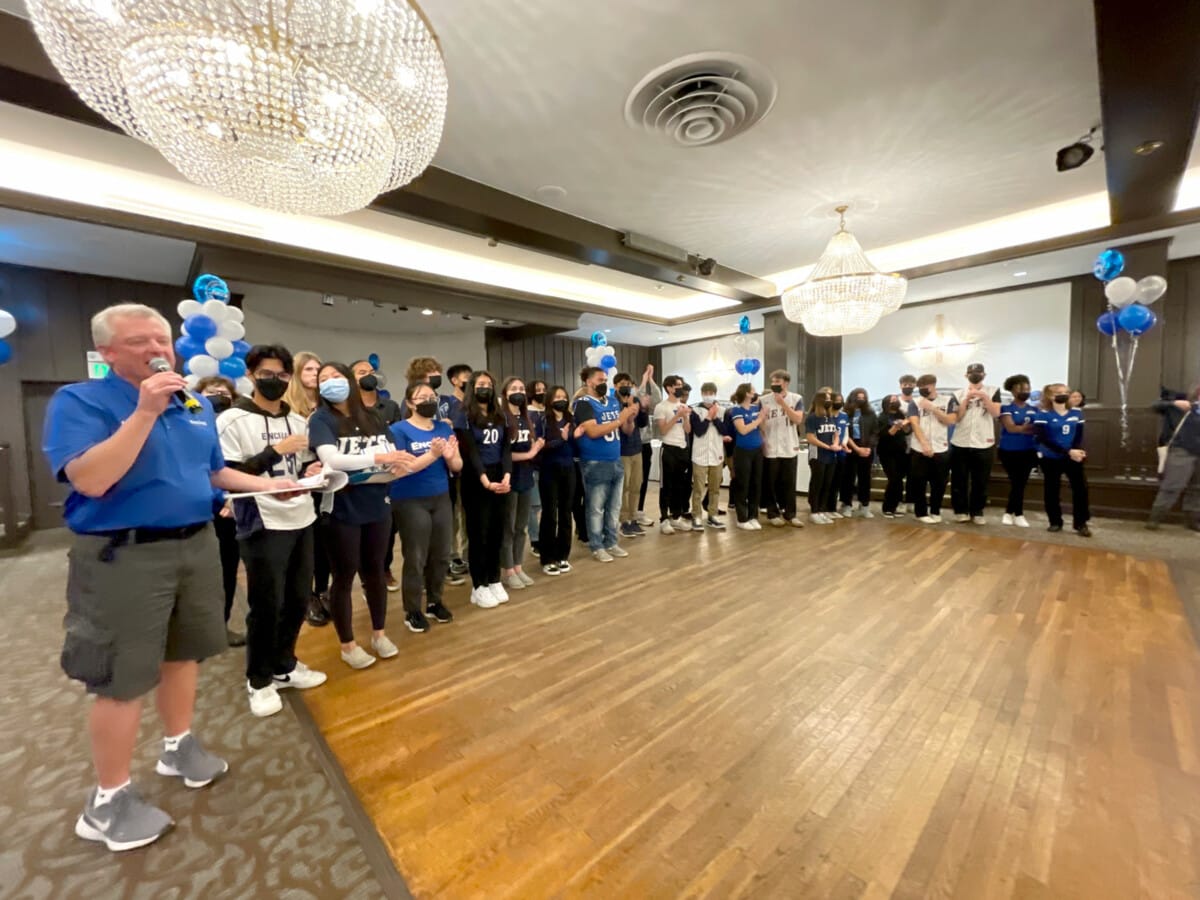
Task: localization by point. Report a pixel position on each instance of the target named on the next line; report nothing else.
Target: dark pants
(895, 467)
(820, 485)
(970, 469)
(579, 505)
(910, 494)
(1018, 464)
(835, 485)
(779, 487)
(856, 479)
(321, 569)
(227, 542)
(484, 513)
(675, 487)
(749, 467)
(279, 571)
(558, 490)
(928, 482)
(391, 547)
(1052, 471)
(358, 550)
(1180, 476)
(647, 460)
(425, 527)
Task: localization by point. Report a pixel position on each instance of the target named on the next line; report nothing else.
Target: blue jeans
(602, 483)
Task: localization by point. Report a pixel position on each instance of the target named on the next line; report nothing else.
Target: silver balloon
(1150, 288)
(380, 380)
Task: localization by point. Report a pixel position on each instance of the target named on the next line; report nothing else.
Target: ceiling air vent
(702, 99)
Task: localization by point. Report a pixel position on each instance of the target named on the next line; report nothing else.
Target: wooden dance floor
(867, 710)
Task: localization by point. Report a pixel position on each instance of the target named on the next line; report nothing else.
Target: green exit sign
(97, 367)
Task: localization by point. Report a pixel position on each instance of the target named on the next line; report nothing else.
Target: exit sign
(97, 367)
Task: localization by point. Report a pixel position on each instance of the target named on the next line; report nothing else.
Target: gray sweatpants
(516, 525)
(424, 526)
(1181, 475)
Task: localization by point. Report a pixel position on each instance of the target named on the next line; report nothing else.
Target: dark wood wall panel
(557, 360)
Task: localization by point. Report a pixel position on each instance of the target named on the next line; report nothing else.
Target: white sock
(104, 795)
(171, 744)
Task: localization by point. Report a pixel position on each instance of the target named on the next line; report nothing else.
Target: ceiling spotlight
(427, 311)
(1145, 148)
(1019, 274)
(706, 266)
(1075, 155)
(489, 321)
(608, 331)
(402, 308)
(327, 299)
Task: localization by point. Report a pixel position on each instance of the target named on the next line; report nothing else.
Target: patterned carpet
(273, 827)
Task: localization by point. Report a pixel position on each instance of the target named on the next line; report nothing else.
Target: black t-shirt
(388, 410)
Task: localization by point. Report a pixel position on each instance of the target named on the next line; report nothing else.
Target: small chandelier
(306, 106)
(845, 294)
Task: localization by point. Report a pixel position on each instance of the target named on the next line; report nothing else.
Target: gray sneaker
(191, 762)
(124, 823)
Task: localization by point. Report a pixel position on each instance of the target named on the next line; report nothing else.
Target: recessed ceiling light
(489, 321)
(1145, 148)
(661, 339)
(1019, 274)
(608, 331)
(427, 311)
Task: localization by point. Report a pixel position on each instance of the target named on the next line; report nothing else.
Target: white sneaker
(384, 647)
(1007, 519)
(757, 525)
(665, 527)
(358, 658)
(499, 592)
(643, 519)
(1021, 521)
(864, 513)
(514, 581)
(961, 518)
(264, 701)
(978, 520)
(483, 598)
(302, 678)
(681, 525)
(697, 524)
(820, 519)
(745, 526)
(525, 579)
(617, 551)
(797, 522)
(601, 556)
(845, 511)
(931, 520)
(777, 521)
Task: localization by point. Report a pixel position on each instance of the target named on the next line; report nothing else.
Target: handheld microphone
(190, 403)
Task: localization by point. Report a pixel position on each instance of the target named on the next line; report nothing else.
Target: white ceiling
(928, 114)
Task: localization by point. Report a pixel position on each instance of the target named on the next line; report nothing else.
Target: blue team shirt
(434, 479)
(1058, 432)
(168, 485)
(560, 448)
(1020, 415)
(752, 440)
(603, 449)
(522, 472)
(826, 429)
(449, 407)
(355, 504)
(631, 444)
(843, 427)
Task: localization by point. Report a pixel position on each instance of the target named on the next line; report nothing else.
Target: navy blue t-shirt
(449, 407)
(827, 429)
(751, 440)
(843, 424)
(522, 472)
(1020, 415)
(434, 478)
(355, 504)
(631, 444)
(560, 448)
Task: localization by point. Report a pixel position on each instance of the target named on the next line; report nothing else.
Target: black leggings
(749, 465)
(1018, 464)
(856, 478)
(484, 513)
(358, 550)
(895, 467)
(321, 570)
(226, 529)
(579, 505)
(557, 484)
(820, 485)
(1053, 470)
(647, 459)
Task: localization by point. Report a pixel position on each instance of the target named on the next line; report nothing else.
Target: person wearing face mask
(1058, 431)
(557, 480)
(599, 417)
(1018, 450)
(892, 430)
(840, 467)
(631, 454)
(863, 433)
(908, 387)
(389, 413)
(749, 418)
(825, 439)
(708, 458)
(353, 439)
(1179, 460)
(930, 416)
(450, 408)
(653, 396)
(537, 407)
(220, 392)
(972, 446)
(262, 436)
(673, 418)
(421, 505)
(785, 413)
(526, 445)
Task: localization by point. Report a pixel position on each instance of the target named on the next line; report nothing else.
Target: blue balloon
(200, 327)
(598, 339)
(240, 348)
(386, 395)
(1108, 324)
(742, 366)
(5, 352)
(1035, 396)
(1109, 265)
(200, 287)
(755, 365)
(744, 324)
(210, 287)
(608, 361)
(233, 367)
(1137, 319)
(373, 359)
(187, 346)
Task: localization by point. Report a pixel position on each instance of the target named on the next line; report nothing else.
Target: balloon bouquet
(212, 339)
(8, 324)
(601, 355)
(380, 379)
(747, 349)
(1128, 313)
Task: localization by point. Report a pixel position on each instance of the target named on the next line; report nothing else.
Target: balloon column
(601, 355)
(212, 339)
(1129, 314)
(747, 349)
(8, 324)
(381, 380)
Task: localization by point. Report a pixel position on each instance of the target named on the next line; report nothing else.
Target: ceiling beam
(1149, 91)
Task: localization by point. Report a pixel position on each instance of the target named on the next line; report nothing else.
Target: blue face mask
(335, 390)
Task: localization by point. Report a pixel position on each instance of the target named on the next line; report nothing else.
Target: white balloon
(380, 380)
(204, 366)
(192, 380)
(188, 308)
(611, 373)
(245, 386)
(219, 347)
(1120, 291)
(215, 310)
(593, 355)
(1149, 289)
(8, 323)
(753, 346)
(234, 314)
(233, 331)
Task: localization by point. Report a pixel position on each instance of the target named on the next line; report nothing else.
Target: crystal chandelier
(304, 106)
(845, 294)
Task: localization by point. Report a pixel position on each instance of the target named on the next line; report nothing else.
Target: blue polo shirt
(168, 485)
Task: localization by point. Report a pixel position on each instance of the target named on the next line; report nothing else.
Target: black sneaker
(535, 550)
(715, 523)
(1054, 529)
(458, 567)
(628, 530)
(318, 610)
(416, 622)
(638, 531)
(455, 580)
(1083, 531)
(440, 613)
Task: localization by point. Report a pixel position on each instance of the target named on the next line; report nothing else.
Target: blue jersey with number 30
(607, 448)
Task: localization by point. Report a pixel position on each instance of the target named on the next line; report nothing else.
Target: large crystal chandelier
(845, 294)
(304, 106)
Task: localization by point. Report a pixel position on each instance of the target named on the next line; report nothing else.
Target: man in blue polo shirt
(599, 416)
(144, 599)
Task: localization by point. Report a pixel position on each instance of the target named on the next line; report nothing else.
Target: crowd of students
(472, 479)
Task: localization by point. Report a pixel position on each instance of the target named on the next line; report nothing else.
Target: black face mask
(427, 408)
(1021, 396)
(220, 403)
(625, 390)
(483, 395)
(838, 406)
(894, 409)
(271, 388)
(753, 399)
(368, 382)
(1062, 398)
(859, 401)
(560, 405)
(677, 393)
(517, 399)
(928, 393)
(462, 385)
(907, 391)
(539, 397)
(601, 389)
(434, 381)
(975, 377)
(777, 389)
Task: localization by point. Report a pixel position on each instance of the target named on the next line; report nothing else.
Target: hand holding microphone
(164, 384)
